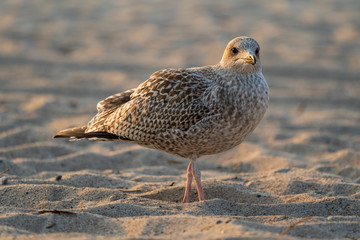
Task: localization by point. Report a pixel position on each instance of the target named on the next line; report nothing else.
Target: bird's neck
(231, 80)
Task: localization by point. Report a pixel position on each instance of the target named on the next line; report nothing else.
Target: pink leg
(193, 172)
(186, 198)
(197, 177)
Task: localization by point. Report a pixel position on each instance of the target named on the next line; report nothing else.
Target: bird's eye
(234, 50)
(257, 51)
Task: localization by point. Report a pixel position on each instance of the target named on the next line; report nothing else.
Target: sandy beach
(296, 177)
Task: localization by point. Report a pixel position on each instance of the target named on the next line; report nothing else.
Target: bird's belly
(211, 136)
(229, 135)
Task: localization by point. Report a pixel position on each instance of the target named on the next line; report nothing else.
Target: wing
(105, 108)
(169, 99)
(115, 100)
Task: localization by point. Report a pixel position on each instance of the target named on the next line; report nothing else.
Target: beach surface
(296, 177)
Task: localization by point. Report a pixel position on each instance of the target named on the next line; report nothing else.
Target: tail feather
(79, 133)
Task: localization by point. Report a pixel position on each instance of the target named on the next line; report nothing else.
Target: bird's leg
(186, 198)
(197, 177)
(193, 172)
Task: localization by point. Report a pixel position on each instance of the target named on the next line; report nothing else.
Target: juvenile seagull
(187, 112)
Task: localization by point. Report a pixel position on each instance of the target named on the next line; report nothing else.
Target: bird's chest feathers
(242, 101)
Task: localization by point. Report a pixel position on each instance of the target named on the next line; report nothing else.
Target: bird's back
(169, 99)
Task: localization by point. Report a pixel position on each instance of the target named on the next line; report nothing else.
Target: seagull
(188, 112)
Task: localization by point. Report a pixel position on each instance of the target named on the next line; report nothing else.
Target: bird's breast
(241, 106)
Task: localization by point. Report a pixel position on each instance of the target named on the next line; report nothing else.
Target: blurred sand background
(297, 176)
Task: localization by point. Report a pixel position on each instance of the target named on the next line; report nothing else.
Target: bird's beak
(250, 59)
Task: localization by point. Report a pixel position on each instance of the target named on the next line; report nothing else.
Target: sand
(296, 177)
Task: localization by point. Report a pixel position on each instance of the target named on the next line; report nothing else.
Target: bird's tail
(79, 133)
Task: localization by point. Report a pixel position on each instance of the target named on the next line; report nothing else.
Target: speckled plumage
(188, 112)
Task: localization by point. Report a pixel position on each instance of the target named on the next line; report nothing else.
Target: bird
(187, 112)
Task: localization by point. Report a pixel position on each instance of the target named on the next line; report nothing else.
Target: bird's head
(242, 55)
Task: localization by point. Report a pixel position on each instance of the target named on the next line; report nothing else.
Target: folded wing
(169, 99)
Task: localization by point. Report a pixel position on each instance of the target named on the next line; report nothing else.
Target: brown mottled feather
(115, 100)
(79, 133)
(156, 105)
